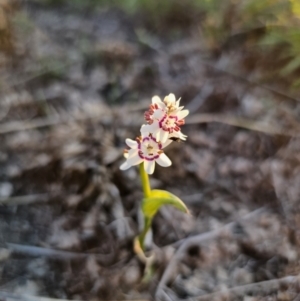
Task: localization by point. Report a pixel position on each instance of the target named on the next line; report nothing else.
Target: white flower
(164, 119)
(146, 149)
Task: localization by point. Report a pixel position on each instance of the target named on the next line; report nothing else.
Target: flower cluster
(164, 119)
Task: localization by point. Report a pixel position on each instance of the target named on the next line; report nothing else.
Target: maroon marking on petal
(138, 140)
(148, 115)
(140, 153)
(152, 158)
(166, 128)
(162, 120)
(174, 117)
(152, 138)
(154, 106)
(180, 122)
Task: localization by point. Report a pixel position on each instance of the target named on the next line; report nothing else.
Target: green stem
(147, 191)
(145, 181)
(142, 236)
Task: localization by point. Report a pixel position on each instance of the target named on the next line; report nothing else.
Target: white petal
(168, 142)
(182, 136)
(125, 155)
(158, 114)
(164, 161)
(145, 129)
(149, 167)
(178, 102)
(154, 127)
(131, 143)
(135, 160)
(178, 135)
(171, 98)
(157, 135)
(125, 166)
(156, 100)
(164, 135)
(182, 114)
(175, 134)
(177, 110)
(132, 153)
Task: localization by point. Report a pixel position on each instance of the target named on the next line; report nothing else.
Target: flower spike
(164, 121)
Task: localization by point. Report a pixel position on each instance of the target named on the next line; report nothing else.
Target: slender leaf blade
(160, 198)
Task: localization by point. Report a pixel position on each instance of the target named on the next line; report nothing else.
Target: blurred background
(75, 79)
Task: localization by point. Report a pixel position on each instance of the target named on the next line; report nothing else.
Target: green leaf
(158, 198)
